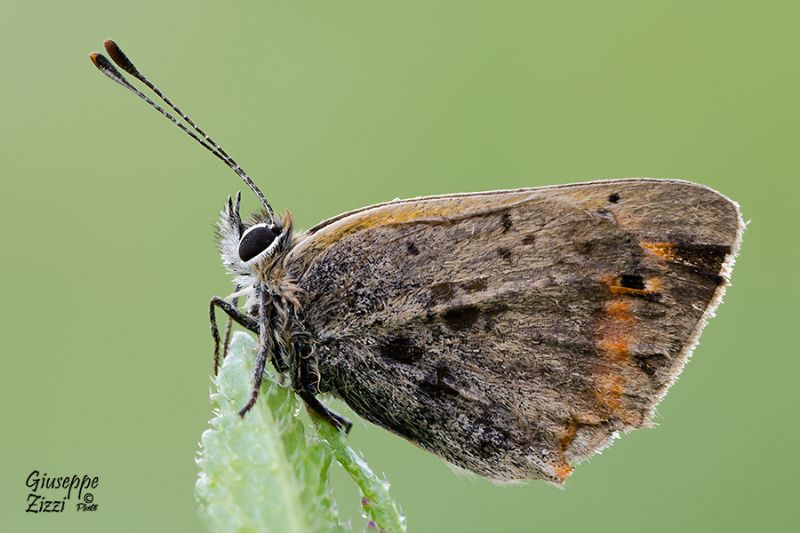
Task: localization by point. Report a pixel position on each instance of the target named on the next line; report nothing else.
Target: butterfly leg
(229, 324)
(258, 376)
(226, 343)
(263, 348)
(336, 420)
(234, 313)
(305, 380)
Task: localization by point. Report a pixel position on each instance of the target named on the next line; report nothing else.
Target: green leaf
(269, 471)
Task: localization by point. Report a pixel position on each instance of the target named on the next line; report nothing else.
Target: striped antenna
(119, 57)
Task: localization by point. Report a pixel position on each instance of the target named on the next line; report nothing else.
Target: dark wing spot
(529, 239)
(613, 197)
(632, 281)
(505, 221)
(401, 349)
(443, 291)
(461, 317)
(704, 259)
(412, 248)
(504, 253)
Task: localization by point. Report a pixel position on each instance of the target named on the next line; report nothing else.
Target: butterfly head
(251, 247)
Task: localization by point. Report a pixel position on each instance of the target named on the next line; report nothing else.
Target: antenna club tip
(110, 43)
(95, 58)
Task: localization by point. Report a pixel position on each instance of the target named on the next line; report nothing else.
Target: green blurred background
(108, 259)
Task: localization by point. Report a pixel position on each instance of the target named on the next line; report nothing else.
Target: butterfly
(512, 333)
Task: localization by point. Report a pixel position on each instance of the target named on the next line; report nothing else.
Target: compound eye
(254, 241)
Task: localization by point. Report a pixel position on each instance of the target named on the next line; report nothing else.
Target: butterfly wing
(514, 333)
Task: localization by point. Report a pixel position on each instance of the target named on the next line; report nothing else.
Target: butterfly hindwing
(515, 332)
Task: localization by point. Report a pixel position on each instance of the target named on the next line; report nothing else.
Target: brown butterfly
(513, 333)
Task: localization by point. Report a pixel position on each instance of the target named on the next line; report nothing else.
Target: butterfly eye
(254, 241)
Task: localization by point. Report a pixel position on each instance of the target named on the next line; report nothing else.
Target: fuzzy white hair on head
(229, 232)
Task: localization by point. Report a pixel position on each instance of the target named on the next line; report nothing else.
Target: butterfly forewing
(515, 332)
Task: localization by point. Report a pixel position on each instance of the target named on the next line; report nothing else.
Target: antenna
(119, 57)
